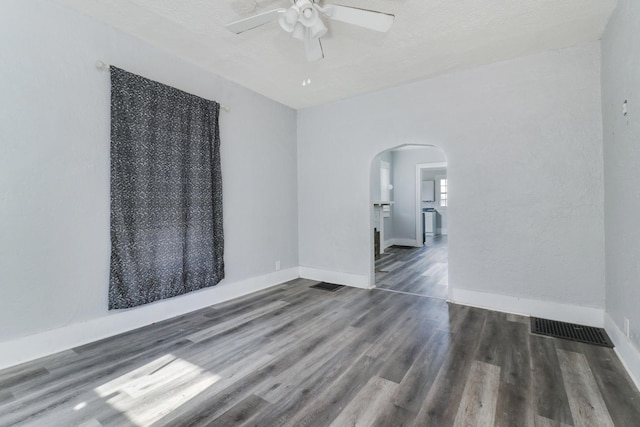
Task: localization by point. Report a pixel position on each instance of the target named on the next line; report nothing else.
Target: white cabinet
(430, 222)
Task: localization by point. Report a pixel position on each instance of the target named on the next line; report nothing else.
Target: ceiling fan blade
(378, 21)
(254, 21)
(314, 49)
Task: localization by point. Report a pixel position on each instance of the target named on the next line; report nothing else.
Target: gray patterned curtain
(166, 192)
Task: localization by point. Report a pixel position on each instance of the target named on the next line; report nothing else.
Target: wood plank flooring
(420, 271)
(296, 356)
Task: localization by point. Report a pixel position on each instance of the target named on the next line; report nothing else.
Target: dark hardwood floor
(297, 356)
(420, 271)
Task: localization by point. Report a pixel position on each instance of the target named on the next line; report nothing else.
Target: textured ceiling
(428, 37)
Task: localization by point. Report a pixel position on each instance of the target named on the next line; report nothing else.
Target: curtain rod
(103, 66)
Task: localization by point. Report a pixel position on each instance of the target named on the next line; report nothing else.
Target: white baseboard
(348, 279)
(116, 322)
(388, 243)
(626, 351)
(529, 307)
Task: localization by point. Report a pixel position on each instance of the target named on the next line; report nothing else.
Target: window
(443, 192)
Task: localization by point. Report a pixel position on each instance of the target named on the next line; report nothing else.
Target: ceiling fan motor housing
(303, 20)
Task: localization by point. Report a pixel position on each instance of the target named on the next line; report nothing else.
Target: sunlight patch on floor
(149, 393)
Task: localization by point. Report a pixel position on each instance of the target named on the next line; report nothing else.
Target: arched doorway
(410, 198)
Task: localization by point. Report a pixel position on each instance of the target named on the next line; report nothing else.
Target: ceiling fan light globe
(292, 15)
(289, 19)
(299, 31)
(318, 29)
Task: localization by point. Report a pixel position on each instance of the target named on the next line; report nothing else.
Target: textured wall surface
(620, 82)
(54, 168)
(523, 140)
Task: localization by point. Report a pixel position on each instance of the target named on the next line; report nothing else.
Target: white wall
(523, 144)
(54, 179)
(620, 82)
(523, 141)
(404, 174)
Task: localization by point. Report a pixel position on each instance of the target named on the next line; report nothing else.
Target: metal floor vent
(331, 287)
(570, 331)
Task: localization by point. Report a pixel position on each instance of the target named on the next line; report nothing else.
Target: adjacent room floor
(421, 271)
(293, 355)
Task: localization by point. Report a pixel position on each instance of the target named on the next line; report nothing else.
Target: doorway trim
(419, 168)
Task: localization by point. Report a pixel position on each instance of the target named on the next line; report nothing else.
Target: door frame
(419, 168)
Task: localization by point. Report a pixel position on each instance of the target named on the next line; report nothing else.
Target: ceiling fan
(304, 20)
